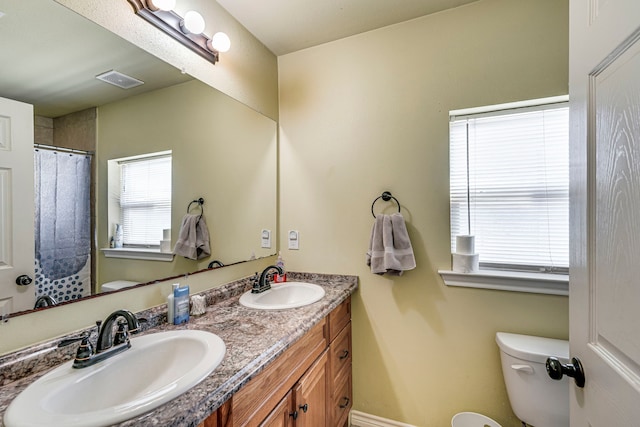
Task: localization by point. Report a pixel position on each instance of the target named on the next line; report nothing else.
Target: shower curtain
(62, 225)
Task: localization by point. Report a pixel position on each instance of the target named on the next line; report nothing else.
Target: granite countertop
(253, 339)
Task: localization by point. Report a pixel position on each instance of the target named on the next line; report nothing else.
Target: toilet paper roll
(465, 263)
(465, 244)
(165, 246)
(166, 234)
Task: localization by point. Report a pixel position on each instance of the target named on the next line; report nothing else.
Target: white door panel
(16, 205)
(605, 210)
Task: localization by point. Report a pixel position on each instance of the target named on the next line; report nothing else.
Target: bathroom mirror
(222, 151)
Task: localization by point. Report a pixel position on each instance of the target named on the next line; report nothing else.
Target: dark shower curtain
(62, 224)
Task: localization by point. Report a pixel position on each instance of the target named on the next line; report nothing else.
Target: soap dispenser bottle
(171, 305)
(280, 278)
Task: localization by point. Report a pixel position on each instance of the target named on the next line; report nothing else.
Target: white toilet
(535, 398)
(116, 285)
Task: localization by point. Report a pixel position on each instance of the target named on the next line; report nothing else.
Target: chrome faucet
(106, 337)
(45, 301)
(263, 283)
(108, 343)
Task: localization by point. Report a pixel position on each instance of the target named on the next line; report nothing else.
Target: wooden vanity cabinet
(309, 385)
(220, 418)
(282, 415)
(339, 372)
(255, 401)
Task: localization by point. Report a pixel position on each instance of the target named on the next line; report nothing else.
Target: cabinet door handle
(294, 415)
(304, 408)
(344, 355)
(346, 401)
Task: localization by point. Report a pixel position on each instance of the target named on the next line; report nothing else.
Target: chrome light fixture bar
(173, 24)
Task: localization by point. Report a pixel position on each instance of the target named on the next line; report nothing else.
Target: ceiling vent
(116, 78)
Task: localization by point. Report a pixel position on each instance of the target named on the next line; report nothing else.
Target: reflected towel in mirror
(193, 239)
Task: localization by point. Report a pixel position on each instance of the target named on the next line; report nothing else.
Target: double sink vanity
(251, 359)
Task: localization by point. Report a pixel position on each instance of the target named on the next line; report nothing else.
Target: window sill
(537, 283)
(138, 253)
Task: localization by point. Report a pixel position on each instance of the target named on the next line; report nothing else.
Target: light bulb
(165, 5)
(193, 22)
(219, 42)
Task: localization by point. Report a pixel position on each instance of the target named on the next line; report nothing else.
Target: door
(604, 297)
(16, 206)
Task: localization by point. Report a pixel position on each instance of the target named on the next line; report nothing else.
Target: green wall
(370, 113)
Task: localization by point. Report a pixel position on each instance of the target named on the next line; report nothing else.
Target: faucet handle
(85, 350)
(255, 281)
(122, 334)
(68, 341)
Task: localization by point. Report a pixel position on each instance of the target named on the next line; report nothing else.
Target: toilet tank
(535, 398)
(116, 285)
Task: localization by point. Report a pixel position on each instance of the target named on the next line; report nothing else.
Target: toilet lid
(533, 349)
(472, 419)
(118, 284)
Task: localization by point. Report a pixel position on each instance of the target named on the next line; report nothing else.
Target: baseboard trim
(361, 419)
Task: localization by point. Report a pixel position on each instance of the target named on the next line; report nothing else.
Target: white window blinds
(145, 199)
(509, 186)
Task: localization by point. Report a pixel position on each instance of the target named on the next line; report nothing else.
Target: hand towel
(375, 254)
(390, 249)
(193, 239)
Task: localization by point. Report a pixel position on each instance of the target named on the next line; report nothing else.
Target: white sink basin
(156, 369)
(284, 295)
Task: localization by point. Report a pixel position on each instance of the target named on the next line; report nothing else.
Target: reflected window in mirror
(140, 201)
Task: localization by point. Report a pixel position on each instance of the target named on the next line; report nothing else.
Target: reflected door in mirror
(16, 205)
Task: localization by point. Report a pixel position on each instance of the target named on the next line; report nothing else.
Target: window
(140, 198)
(509, 183)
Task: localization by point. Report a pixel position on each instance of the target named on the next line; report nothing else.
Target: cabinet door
(220, 418)
(339, 318)
(341, 402)
(282, 415)
(310, 395)
(340, 355)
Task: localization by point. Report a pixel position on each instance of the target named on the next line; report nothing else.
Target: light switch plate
(294, 240)
(265, 238)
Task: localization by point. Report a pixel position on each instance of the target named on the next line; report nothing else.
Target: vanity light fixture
(192, 23)
(165, 5)
(188, 30)
(220, 42)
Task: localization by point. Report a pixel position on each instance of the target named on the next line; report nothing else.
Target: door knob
(23, 280)
(557, 370)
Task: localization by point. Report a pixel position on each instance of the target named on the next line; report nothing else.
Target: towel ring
(386, 196)
(200, 202)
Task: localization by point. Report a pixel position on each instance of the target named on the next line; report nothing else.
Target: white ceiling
(286, 26)
(50, 56)
(45, 63)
